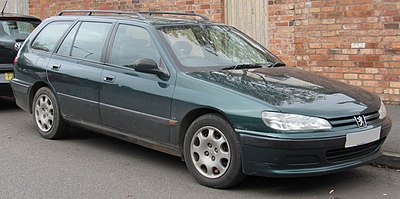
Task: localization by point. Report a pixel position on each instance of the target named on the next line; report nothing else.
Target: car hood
(296, 91)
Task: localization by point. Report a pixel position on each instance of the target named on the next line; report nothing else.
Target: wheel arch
(193, 115)
(32, 91)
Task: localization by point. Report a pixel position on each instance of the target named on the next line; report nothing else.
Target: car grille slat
(346, 121)
(336, 155)
(342, 122)
(349, 152)
(372, 116)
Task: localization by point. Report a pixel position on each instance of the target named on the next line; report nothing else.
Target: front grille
(346, 121)
(337, 155)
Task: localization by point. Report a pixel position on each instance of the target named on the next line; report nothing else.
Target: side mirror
(149, 66)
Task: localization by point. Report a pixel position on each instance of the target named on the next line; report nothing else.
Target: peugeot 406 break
(192, 88)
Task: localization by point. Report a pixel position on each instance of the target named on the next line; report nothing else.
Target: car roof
(151, 18)
(17, 16)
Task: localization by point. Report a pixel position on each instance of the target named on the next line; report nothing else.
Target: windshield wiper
(243, 66)
(255, 65)
(276, 64)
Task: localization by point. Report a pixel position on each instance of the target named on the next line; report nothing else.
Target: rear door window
(50, 35)
(90, 40)
(66, 45)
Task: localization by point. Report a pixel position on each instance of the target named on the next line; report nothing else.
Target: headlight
(382, 111)
(293, 122)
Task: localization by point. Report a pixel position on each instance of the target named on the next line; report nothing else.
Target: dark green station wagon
(206, 92)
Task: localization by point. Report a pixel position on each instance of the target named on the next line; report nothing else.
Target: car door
(131, 102)
(75, 69)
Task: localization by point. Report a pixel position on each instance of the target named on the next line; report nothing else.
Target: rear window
(12, 30)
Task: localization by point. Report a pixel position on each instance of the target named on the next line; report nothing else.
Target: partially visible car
(14, 29)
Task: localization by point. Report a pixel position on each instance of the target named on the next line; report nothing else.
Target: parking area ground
(89, 165)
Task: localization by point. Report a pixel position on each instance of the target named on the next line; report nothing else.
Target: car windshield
(13, 30)
(199, 47)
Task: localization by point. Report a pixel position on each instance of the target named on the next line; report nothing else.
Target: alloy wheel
(44, 113)
(210, 152)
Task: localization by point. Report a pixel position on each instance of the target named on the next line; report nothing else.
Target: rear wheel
(212, 152)
(47, 116)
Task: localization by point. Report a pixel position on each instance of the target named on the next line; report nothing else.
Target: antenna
(4, 7)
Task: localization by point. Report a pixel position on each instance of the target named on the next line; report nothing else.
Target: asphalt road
(89, 165)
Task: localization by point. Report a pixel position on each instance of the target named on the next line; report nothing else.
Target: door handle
(109, 78)
(56, 67)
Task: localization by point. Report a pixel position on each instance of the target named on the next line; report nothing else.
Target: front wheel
(47, 116)
(212, 152)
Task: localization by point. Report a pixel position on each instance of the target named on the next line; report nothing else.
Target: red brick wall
(214, 9)
(282, 30)
(355, 41)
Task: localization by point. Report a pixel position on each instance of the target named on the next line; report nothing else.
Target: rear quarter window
(48, 37)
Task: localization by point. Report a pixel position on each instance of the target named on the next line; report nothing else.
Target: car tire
(212, 152)
(46, 115)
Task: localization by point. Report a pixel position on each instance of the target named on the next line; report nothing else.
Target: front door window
(132, 43)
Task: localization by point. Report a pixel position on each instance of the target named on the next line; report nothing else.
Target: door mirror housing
(149, 66)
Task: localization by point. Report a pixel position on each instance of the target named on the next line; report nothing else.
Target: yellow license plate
(8, 76)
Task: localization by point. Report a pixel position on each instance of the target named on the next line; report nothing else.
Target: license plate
(363, 137)
(8, 76)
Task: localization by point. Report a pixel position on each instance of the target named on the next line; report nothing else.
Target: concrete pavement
(391, 147)
(89, 165)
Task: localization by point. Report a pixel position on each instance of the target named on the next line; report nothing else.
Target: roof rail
(90, 12)
(138, 14)
(175, 13)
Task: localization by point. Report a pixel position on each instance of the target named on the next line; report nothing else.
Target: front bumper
(283, 157)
